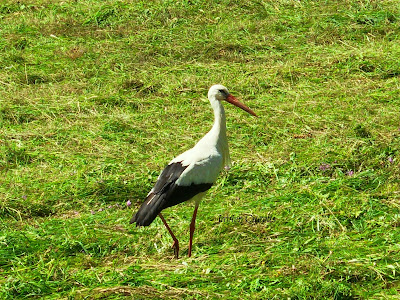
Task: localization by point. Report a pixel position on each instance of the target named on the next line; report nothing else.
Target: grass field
(96, 97)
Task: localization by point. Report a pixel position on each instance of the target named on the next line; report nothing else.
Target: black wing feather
(166, 193)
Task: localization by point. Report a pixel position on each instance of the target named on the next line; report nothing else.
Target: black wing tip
(139, 222)
(155, 200)
(133, 219)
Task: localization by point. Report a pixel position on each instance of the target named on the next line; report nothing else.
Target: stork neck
(219, 119)
(218, 131)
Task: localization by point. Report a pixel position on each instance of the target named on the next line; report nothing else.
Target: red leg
(192, 227)
(175, 245)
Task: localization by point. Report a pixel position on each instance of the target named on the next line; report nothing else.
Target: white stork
(189, 175)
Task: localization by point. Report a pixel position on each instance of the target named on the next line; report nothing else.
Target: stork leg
(175, 245)
(192, 227)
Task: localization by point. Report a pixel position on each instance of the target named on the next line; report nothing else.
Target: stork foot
(175, 246)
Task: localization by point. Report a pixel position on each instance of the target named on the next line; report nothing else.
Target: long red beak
(236, 102)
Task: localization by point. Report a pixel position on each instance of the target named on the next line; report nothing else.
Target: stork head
(219, 92)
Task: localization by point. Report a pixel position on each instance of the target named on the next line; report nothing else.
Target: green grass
(97, 96)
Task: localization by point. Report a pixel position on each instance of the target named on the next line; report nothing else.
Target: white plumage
(192, 173)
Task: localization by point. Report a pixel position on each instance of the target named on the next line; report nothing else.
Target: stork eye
(223, 92)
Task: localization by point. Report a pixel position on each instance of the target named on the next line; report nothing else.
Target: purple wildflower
(324, 167)
(350, 173)
(390, 159)
(100, 209)
(92, 212)
(128, 203)
(24, 197)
